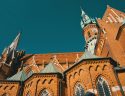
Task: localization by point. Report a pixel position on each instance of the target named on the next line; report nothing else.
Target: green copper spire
(86, 19)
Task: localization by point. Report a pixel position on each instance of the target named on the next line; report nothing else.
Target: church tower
(9, 60)
(90, 31)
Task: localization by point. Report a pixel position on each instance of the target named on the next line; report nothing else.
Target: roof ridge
(52, 53)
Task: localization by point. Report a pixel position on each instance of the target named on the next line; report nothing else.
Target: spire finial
(10, 50)
(14, 44)
(34, 63)
(55, 60)
(77, 58)
(85, 19)
(82, 12)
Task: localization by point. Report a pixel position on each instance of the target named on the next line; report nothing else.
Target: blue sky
(48, 26)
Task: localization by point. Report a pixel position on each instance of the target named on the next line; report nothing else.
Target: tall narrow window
(79, 91)
(45, 93)
(103, 87)
(89, 34)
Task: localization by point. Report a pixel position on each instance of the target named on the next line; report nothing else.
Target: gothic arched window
(103, 87)
(79, 91)
(44, 93)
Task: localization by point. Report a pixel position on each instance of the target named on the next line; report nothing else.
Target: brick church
(98, 71)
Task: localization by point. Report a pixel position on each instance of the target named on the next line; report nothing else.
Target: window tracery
(79, 91)
(45, 92)
(103, 87)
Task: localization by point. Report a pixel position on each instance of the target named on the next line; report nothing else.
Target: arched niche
(81, 72)
(75, 75)
(44, 81)
(50, 81)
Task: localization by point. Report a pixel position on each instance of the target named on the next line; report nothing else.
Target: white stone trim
(93, 91)
(117, 88)
(114, 89)
(123, 87)
(115, 13)
(113, 18)
(110, 20)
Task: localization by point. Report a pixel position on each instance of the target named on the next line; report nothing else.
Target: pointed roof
(33, 66)
(82, 12)
(51, 68)
(10, 50)
(14, 44)
(20, 76)
(30, 73)
(88, 55)
(113, 15)
(86, 19)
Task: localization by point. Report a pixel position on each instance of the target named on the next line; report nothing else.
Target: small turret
(86, 19)
(90, 31)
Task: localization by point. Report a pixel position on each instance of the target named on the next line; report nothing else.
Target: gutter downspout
(21, 89)
(119, 83)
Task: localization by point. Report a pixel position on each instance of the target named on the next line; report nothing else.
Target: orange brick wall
(39, 82)
(89, 28)
(11, 88)
(122, 38)
(87, 72)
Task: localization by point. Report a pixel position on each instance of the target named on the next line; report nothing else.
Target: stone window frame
(101, 80)
(46, 94)
(80, 88)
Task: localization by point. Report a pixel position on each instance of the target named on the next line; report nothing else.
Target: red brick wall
(11, 88)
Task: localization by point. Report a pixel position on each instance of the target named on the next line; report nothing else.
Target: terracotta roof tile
(40, 58)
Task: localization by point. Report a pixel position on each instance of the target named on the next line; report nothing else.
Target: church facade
(98, 71)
